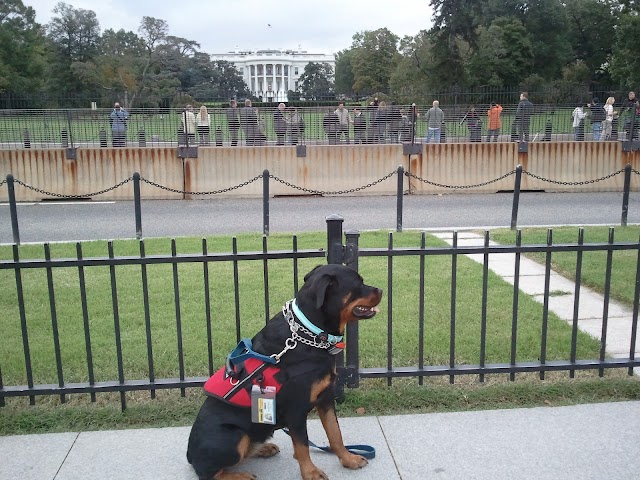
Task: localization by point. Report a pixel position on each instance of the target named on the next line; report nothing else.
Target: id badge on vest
(263, 405)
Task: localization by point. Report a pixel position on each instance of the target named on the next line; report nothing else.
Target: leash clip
(290, 344)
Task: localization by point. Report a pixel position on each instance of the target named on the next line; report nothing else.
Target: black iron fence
(207, 324)
(366, 124)
(402, 188)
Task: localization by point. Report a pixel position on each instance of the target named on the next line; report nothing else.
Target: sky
(319, 26)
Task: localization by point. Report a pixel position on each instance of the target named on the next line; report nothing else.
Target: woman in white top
(578, 123)
(203, 118)
(608, 122)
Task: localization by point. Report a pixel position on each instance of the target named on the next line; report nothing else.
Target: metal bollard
(26, 138)
(102, 135)
(142, 138)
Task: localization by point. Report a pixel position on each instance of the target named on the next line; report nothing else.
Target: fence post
(265, 202)
(414, 120)
(625, 195)
(353, 337)
(335, 251)
(400, 198)
(13, 210)
(516, 197)
(137, 204)
(26, 138)
(335, 255)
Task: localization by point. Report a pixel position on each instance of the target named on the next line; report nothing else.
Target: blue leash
(366, 451)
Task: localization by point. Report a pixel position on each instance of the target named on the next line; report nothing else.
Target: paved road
(46, 221)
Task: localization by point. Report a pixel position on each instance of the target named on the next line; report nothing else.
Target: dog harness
(245, 367)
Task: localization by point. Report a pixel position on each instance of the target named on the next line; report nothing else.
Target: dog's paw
(313, 473)
(353, 462)
(266, 450)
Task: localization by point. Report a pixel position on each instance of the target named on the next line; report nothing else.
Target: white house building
(270, 74)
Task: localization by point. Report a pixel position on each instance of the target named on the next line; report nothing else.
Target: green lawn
(373, 336)
(373, 395)
(85, 125)
(623, 272)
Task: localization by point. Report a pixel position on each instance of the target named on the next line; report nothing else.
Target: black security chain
(459, 187)
(584, 182)
(335, 192)
(64, 195)
(212, 192)
(2, 183)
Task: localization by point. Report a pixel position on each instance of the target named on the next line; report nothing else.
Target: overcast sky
(320, 26)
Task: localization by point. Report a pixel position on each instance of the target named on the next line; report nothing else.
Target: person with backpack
(598, 115)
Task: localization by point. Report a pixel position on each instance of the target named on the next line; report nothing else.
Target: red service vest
(218, 386)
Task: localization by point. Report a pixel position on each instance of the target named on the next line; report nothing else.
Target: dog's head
(334, 295)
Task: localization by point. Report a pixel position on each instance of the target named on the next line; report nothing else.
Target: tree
(413, 78)
(625, 62)
(21, 48)
(316, 81)
(344, 72)
(375, 57)
(74, 36)
(218, 79)
(504, 55)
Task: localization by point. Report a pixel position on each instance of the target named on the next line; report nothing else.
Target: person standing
(631, 106)
(233, 122)
(189, 124)
(473, 124)
(578, 117)
(607, 125)
(203, 120)
(359, 127)
(523, 117)
(295, 124)
(118, 120)
(249, 123)
(280, 124)
(344, 119)
(434, 119)
(598, 115)
(394, 117)
(495, 122)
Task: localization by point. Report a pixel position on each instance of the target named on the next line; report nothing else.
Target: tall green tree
(316, 82)
(375, 57)
(625, 61)
(504, 55)
(344, 72)
(74, 36)
(21, 48)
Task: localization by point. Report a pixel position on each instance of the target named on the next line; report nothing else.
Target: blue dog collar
(332, 339)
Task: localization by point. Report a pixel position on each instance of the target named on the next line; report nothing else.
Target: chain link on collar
(296, 327)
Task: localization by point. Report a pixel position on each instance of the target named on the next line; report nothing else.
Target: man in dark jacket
(359, 126)
(331, 125)
(279, 124)
(249, 123)
(598, 115)
(629, 112)
(233, 122)
(523, 117)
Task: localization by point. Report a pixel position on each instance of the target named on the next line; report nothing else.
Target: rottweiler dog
(223, 433)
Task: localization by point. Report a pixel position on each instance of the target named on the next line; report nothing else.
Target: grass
(86, 126)
(623, 270)
(374, 396)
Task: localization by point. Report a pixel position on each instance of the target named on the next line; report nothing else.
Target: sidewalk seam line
(389, 447)
(66, 456)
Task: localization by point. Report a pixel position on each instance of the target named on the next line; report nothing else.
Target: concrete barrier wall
(325, 168)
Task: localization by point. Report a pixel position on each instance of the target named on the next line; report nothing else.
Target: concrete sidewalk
(598, 441)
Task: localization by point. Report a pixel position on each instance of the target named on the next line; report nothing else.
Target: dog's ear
(308, 275)
(319, 287)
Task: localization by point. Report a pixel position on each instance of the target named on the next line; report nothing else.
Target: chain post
(137, 204)
(399, 198)
(265, 202)
(516, 197)
(335, 251)
(625, 195)
(13, 210)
